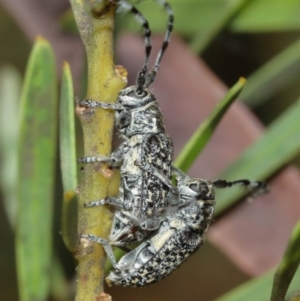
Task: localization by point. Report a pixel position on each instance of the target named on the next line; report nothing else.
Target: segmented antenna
(146, 78)
(152, 74)
(255, 187)
(125, 6)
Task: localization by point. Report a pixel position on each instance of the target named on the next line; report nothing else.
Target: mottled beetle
(176, 217)
(180, 234)
(142, 197)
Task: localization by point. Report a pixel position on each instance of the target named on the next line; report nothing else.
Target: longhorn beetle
(142, 197)
(180, 234)
(177, 217)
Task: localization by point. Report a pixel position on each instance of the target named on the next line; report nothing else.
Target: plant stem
(104, 83)
(287, 267)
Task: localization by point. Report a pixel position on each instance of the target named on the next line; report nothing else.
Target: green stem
(104, 83)
(287, 267)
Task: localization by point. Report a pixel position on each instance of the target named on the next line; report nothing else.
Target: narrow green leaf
(287, 267)
(67, 132)
(69, 220)
(199, 139)
(257, 289)
(10, 90)
(36, 167)
(272, 77)
(68, 161)
(279, 144)
(268, 15)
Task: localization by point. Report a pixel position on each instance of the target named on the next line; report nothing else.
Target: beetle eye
(194, 187)
(131, 93)
(141, 93)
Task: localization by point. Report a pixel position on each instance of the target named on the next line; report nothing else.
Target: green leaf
(199, 139)
(10, 90)
(68, 160)
(268, 15)
(279, 144)
(287, 267)
(36, 173)
(257, 289)
(272, 77)
(67, 132)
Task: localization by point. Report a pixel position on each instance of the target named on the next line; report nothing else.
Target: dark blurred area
(248, 52)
